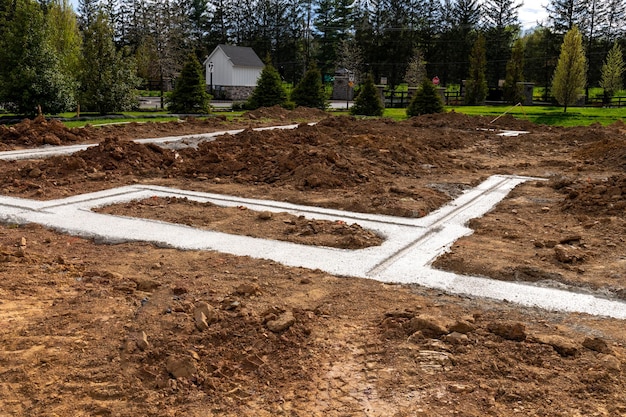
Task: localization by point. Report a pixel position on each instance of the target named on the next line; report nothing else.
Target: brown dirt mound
(609, 151)
(280, 113)
(38, 132)
(241, 221)
(456, 120)
(593, 133)
(114, 155)
(157, 129)
(336, 152)
(597, 196)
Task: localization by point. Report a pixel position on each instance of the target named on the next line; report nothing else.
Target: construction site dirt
(134, 328)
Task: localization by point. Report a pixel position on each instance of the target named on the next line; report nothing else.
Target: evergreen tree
(427, 100)
(565, 14)
(515, 74)
(189, 95)
(310, 91)
(570, 74)
(612, 72)
(389, 37)
(269, 90)
(333, 20)
(368, 102)
(220, 22)
(458, 24)
(501, 27)
(108, 79)
(613, 26)
(476, 85)
(31, 73)
(541, 52)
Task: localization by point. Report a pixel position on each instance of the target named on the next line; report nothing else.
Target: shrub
(368, 102)
(426, 100)
(189, 95)
(310, 91)
(269, 90)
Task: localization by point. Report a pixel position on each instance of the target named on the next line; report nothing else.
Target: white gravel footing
(405, 257)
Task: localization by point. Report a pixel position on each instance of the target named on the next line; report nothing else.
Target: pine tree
(426, 100)
(189, 95)
(108, 79)
(612, 72)
(368, 102)
(502, 25)
(565, 14)
(269, 90)
(613, 25)
(476, 85)
(515, 74)
(310, 91)
(570, 74)
(332, 21)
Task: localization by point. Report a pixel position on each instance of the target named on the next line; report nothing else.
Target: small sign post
(436, 80)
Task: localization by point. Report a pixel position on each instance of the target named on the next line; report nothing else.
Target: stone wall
(235, 93)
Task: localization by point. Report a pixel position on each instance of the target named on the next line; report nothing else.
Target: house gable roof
(242, 56)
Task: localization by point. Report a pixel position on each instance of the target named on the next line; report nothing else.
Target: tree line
(98, 54)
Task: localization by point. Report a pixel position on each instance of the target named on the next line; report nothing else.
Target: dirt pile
(608, 149)
(190, 125)
(606, 196)
(242, 221)
(280, 113)
(456, 120)
(38, 132)
(337, 152)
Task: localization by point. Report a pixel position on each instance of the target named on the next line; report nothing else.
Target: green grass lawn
(549, 115)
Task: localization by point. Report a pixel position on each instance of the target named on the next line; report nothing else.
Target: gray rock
(569, 254)
(462, 326)
(142, 341)
(457, 338)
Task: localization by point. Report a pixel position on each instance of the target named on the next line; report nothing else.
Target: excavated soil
(133, 329)
(242, 221)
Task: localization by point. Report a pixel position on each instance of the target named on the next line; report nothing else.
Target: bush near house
(269, 90)
(189, 95)
(426, 100)
(310, 91)
(368, 102)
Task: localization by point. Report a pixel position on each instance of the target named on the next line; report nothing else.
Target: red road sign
(436, 80)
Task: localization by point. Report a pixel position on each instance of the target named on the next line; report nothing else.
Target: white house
(233, 71)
